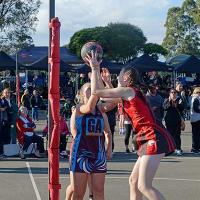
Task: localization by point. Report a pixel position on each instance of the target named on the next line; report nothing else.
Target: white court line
(164, 159)
(33, 182)
(126, 177)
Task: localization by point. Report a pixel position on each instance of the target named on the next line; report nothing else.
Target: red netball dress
(151, 138)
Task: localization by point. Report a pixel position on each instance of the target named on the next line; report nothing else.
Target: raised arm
(109, 105)
(95, 67)
(119, 92)
(89, 107)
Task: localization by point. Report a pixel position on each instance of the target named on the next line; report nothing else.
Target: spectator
(186, 103)
(121, 118)
(64, 131)
(6, 116)
(156, 102)
(66, 110)
(26, 135)
(82, 80)
(112, 122)
(2, 110)
(174, 107)
(195, 120)
(14, 115)
(38, 81)
(36, 102)
(128, 130)
(179, 88)
(25, 99)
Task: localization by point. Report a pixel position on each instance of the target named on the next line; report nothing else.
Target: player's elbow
(95, 93)
(90, 108)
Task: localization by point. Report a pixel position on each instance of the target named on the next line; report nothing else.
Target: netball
(89, 47)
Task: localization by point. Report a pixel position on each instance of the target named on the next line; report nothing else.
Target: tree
(123, 41)
(183, 33)
(196, 14)
(120, 41)
(17, 22)
(154, 50)
(83, 36)
(174, 30)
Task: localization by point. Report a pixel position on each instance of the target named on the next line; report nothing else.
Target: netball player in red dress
(152, 141)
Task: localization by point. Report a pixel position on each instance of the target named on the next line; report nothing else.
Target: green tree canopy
(17, 22)
(196, 12)
(120, 41)
(154, 50)
(182, 30)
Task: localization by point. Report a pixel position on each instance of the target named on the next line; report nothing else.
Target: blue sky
(149, 15)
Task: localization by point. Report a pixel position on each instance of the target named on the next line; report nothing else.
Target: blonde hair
(196, 90)
(5, 89)
(23, 109)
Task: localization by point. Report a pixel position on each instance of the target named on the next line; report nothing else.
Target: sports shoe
(63, 153)
(195, 151)
(37, 154)
(22, 156)
(127, 151)
(179, 153)
(2, 156)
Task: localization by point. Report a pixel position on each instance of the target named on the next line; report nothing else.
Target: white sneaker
(63, 153)
(37, 154)
(22, 156)
(179, 153)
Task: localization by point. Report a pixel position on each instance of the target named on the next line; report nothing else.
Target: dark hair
(134, 78)
(172, 90)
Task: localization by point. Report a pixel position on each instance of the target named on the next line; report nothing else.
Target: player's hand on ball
(92, 60)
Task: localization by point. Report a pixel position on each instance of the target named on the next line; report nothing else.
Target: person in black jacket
(5, 118)
(2, 112)
(174, 107)
(36, 102)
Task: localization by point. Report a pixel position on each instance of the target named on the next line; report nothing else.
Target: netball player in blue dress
(90, 130)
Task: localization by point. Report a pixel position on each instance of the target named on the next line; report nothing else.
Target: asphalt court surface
(178, 178)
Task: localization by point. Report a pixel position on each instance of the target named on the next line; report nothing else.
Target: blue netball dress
(88, 152)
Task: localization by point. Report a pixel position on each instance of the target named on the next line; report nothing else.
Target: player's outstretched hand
(92, 60)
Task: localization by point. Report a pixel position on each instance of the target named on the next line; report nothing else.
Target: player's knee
(78, 193)
(133, 181)
(143, 188)
(98, 191)
(70, 188)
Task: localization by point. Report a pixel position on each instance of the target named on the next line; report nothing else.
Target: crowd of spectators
(172, 102)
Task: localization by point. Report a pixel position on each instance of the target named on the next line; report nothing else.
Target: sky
(74, 15)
